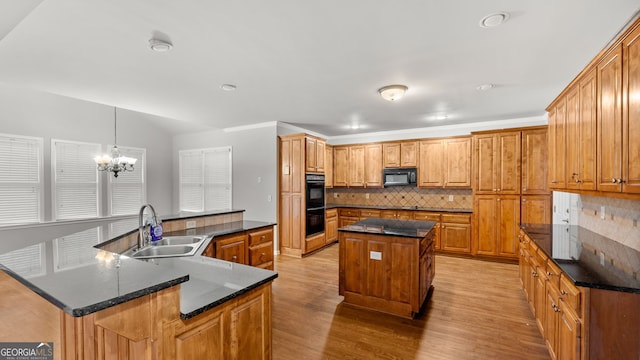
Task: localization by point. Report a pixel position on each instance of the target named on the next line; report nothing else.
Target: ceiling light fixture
(493, 20)
(159, 45)
(392, 92)
(114, 163)
(484, 87)
(228, 87)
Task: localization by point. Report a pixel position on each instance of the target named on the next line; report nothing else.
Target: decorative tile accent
(402, 196)
(621, 219)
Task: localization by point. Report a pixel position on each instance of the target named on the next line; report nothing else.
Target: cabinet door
(331, 230)
(455, 233)
(610, 122)
(292, 165)
(568, 335)
(328, 169)
(534, 162)
(551, 320)
(631, 117)
(261, 255)
(557, 145)
(232, 249)
(340, 165)
(587, 132)
(431, 171)
(356, 166)
(457, 163)
(573, 139)
(290, 227)
(320, 155)
(540, 296)
(485, 165)
(409, 154)
(508, 172)
(391, 155)
(535, 209)
(508, 211)
(373, 165)
(486, 223)
(311, 155)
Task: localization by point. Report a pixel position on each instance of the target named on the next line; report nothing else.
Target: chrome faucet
(143, 237)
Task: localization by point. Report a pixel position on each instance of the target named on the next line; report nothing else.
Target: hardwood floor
(477, 311)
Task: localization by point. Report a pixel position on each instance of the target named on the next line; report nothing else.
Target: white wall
(39, 114)
(255, 154)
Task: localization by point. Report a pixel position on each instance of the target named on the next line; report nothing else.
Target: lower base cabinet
(455, 233)
(252, 247)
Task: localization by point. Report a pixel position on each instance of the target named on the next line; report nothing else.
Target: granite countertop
(402, 228)
(416, 208)
(589, 259)
(222, 229)
(71, 273)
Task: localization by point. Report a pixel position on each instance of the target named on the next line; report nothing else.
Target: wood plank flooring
(477, 311)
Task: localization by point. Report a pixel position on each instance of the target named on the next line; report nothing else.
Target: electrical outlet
(269, 198)
(335, 195)
(375, 255)
(450, 197)
(602, 214)
(366, 195)
(601, 258)
(190, 224)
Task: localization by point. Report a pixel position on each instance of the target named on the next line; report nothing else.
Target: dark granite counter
(403, 228)
(71, 273)
(589, 259)
(441, 210)
(222, 229)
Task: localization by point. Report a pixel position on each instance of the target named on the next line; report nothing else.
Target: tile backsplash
(621, 218)
(402, 196)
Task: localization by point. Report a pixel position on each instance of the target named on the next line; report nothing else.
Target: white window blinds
(206, 179)
(20, 179)
(75, 180)
(128, 192)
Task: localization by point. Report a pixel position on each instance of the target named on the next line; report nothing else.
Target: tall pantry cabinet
(509, 187)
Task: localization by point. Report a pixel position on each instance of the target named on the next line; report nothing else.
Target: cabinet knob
(494, 190)
(262, 237)
(554, 181)
(613, 180)
(497, 199)
(499, 190)
(234, 257)
(563, 292)
(524, 189)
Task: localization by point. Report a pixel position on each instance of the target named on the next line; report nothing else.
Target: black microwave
(400, 176)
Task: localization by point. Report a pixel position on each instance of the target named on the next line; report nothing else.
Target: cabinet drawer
(426, 216)
(570, 294)
(365, 214)
(350, 212)
(331, 213)
(553, 273)
(261, 254)
(456, 218)
(260, 236)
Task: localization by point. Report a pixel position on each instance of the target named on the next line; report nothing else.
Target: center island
(387, 265)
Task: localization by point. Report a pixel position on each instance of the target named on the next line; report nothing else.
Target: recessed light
(159, 45)
(355, 127)
(440, 117)
(493, 20)
(228, 87)
(484, 87)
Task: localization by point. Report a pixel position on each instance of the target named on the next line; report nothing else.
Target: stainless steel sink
(169, 246)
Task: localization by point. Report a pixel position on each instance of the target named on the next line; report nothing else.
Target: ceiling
(314, 64)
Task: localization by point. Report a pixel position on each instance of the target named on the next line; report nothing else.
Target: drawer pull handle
(563, 292)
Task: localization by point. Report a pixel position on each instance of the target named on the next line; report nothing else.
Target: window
(20, 179)
(128, 191)
(75, 180)
(205, 179)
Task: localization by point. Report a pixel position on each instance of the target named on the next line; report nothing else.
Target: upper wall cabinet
(631, 113)
(315, 154)
(557, 145)
(534, 162)
(445, 163)
(340, 166)
(328, 168)
(357, 165)
(400, 154)
(581, 134)
(497, 162)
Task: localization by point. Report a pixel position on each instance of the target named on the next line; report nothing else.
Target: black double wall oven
(315, 204)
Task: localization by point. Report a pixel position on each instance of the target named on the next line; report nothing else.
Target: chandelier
(115, 162)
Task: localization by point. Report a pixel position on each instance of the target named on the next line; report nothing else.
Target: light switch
(375, 255)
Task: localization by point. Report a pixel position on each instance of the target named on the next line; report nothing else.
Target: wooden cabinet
(497, 165)
(348, 217)
(373, 165)
(455, 233)
(331, 225)
(369, 213)
(356, 166)
(430, 216)
(396, 214)
(535, 209)
(238, 329)
(340, 166)
(291, 207)
(328, 169)
(557, 145)
(534, 162)
(497, 221)
(232, 248)
(400, 154)
(261, 248)
(631, 113)
(291, 227)
(315, 155)
(445, 163)
(386, 273)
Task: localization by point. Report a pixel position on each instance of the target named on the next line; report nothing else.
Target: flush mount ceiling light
(392, 92)
(159, 45)
(484, 87)
(228, 87)
(493, 20)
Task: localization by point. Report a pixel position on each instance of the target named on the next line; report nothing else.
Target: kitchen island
(387, 265)
(92, 302)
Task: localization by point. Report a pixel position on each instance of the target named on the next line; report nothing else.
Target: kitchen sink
(169, 246)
